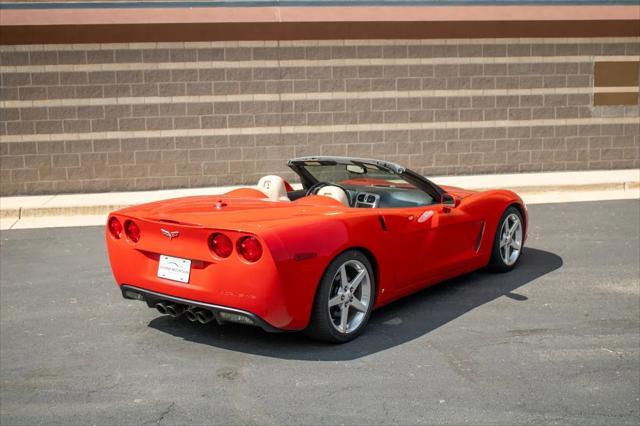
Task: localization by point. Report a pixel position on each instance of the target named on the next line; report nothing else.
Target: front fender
(490, 205)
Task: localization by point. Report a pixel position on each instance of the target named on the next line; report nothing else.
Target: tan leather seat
(336, 193)
(273, 187)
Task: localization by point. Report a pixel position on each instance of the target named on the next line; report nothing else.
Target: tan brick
(120, 158)
(89, 91)
(76, 126)
(229, 154)
(78, 173)
(163, 169)
(471, 159)
(483, 145)
(293, 119)
(494, 158)
(471, 115)
(494, 69)
(148, 157)
(135, 171)
(371, 117)
(45, 79)
(612, 154)
(34, 161)
(18, 148)
(92, 158)
(458, 146)
(497, 50)
(24, 175)
(217, 168)
(66, 160)
(484, 82)
(631, 153)
(78, 146)
(39, 58)
(441, 159)
(8, 93)
(12, 162)
(30, 93)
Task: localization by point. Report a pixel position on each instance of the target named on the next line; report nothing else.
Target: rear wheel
(344, 299)
(508, 242)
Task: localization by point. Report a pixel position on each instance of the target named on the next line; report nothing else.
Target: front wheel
(508, 242)
(344, 299)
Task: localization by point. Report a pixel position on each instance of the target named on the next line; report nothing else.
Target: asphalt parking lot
(555, 341)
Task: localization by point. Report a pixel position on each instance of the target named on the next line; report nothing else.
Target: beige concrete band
(315, 129)
(137, 100)
(313, 63)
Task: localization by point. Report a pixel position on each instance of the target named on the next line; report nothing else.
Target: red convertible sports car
(359, 234)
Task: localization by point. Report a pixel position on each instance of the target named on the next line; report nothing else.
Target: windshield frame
(420, 182)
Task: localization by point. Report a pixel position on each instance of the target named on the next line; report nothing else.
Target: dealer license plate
(174, 268)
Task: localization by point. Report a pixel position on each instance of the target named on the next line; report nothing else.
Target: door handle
(425, 216)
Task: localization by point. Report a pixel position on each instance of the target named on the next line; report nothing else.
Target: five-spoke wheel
(344, 298)
(508, 241)
(350, 296)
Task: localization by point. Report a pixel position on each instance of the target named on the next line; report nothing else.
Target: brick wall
(88, 118)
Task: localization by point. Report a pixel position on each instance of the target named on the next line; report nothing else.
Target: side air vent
(480, 235)
(383, 224)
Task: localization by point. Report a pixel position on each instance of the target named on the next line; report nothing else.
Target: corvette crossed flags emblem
(170, 234)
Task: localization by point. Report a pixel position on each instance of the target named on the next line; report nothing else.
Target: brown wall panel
(27, 34)
(616, 74)
(610, 99)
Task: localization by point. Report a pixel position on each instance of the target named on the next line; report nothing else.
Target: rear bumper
(152, 297)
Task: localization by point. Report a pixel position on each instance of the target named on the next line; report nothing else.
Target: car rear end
(202, 272)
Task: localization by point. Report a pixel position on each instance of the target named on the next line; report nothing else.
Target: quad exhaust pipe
(192, 313)
(161, 307)
(203, 316)
(173, 309)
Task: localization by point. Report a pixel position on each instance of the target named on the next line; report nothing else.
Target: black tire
(321, 326)
(497, 263)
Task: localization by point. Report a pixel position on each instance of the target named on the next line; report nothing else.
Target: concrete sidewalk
(91, 209)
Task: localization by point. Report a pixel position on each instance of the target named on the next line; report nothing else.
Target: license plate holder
(174, 268)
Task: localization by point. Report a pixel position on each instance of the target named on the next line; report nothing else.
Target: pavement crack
(164, 413)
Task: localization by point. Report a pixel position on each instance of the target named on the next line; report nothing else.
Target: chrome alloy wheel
(350, 296)
(511, 239)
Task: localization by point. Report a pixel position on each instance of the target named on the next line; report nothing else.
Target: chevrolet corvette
(356, 235)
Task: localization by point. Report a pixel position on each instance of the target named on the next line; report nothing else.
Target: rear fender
(302, 254)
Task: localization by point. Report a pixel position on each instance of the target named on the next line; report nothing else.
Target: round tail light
(250, 248)
(115, 227)
(220, 245)
(132, 230)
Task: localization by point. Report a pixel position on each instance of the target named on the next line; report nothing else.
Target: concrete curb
(16, 208)
(85, 210)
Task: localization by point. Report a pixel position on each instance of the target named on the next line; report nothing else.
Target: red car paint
(410, 248)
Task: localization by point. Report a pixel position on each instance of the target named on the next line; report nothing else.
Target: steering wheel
(313, 189)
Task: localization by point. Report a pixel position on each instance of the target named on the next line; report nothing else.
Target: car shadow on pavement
(390, 326)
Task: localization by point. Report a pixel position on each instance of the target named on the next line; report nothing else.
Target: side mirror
(450, 201)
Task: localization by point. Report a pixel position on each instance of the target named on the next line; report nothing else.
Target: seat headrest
(336, 193)
(273, 187)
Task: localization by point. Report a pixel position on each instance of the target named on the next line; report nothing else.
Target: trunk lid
(218, 212)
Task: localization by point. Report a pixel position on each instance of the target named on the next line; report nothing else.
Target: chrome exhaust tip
(175, 310)
(190, 315)
(204, 316)
(161, 307)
